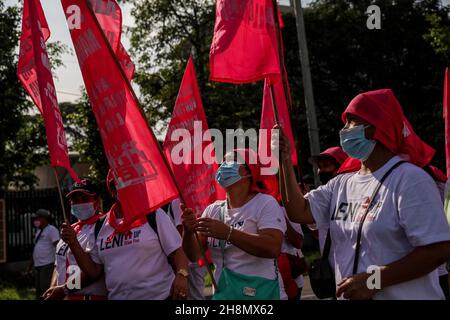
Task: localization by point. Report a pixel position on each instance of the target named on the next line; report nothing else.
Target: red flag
(35, 74)
(142, 178)
(109, 16)
(268, 118)
(447, 120)
(244, 46)
(194, 171)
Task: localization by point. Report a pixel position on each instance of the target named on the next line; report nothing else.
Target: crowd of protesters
(380, 204)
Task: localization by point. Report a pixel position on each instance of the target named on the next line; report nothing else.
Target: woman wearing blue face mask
(387, 228)
(244, 233)
(85, 205)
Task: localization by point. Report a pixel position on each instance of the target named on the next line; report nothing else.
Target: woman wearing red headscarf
(387, 226)
(244, 232)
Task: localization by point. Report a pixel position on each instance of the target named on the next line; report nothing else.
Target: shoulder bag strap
(358, 239)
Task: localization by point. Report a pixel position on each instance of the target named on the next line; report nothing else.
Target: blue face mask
(83, 211)
(355, 143)
(228, 174)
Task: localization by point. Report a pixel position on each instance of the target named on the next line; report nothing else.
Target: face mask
(228, 174)
(36, 223)
(325, 177)
(83, 211)
(355, 143)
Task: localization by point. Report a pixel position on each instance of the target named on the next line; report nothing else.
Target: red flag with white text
(143, 180)
(193, 158)
(35, 74)
(244, 46)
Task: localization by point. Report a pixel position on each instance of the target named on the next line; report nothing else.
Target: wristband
(229, 234)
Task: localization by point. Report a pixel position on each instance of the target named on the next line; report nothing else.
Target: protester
(440, 178)
(196, 279)
(85, 206)
(291, 254)
(134, 256)
(43, 259)
(328, 163)
(405, 234)
(244, 233)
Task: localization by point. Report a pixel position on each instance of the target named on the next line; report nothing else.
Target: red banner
(109, 15)
(143, 180)
(244, 46)
(447, 120)
(35, 74)
(268, 117)
(195, 167)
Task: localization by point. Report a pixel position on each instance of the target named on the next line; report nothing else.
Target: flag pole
(61, 199)
(166, 162)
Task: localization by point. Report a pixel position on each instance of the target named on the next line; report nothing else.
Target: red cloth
(268, 118)
(196, 173)
(244, 46)
(381, 109)
(290, 286)
(80, 223)
(446, 113)
(34, 72)
(141, 176)
(269, 182)
(109, 15)
(336, 153)
(437, 174)
(124, 226)
(350, 165)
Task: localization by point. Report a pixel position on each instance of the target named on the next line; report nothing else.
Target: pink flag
(109, 16)
(195, 169)
(244, 46)
(142, 177)
(447, 120)
(35, 74)
(268, 117)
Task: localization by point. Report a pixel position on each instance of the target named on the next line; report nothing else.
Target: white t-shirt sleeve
(176, 211)
(168, 234)
(271, 217)
(421, 214)
(53, 234)
(320, 204)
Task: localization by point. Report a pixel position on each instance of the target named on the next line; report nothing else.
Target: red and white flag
(143, 180)
(35, 74)
(192, 159)
(268, 118)
(244, 46)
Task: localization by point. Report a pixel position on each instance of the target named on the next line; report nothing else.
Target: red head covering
(381, 109)
(269, 182)
(334, 152)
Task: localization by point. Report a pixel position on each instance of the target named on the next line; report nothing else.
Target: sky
(68, 79)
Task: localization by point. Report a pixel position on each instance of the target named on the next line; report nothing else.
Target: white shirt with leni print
(407, 213)
(136, 268)
(261, 212)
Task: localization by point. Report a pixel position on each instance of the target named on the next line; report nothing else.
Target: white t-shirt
(287, 247)
(261, 212)
(44, 248)
(175, 216)
(407, 213)
(137, 268)
(86, 238)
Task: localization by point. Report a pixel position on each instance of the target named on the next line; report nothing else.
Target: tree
(23, 144)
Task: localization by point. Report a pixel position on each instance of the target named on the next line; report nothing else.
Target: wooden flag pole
(61, 199)
(130, 87)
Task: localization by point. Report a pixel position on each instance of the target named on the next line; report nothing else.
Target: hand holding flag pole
(127, 81)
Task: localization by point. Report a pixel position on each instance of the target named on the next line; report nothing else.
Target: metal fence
(19, 206)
